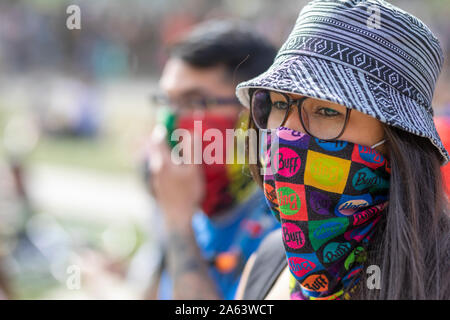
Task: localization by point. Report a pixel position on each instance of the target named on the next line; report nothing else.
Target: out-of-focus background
(75, 115)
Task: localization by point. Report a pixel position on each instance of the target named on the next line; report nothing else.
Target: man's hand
(179, 189)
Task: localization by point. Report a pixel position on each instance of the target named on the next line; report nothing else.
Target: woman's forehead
(279, 95)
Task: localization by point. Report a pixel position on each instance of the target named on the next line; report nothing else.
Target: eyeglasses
(194, 103)
(270, 110)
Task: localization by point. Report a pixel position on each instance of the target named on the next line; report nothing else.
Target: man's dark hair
(242, 51)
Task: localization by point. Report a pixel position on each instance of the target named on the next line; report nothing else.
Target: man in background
(214, 216)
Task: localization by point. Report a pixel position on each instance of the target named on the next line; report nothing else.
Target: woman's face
(361, 128)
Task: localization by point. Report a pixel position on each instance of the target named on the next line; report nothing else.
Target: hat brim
(339, 83)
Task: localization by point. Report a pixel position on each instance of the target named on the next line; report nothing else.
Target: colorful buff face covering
(329, 197)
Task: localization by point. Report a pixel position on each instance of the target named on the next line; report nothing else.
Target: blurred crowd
(117, 38)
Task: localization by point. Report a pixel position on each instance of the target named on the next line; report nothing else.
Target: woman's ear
(384, 148)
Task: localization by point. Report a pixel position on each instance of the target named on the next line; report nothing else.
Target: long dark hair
(412, 244)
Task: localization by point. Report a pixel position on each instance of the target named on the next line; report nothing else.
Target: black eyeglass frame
(204, 102)
(299, 104)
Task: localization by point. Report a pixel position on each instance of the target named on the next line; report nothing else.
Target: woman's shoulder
(268, 263)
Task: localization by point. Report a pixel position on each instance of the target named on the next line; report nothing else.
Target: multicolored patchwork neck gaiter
(329, 197)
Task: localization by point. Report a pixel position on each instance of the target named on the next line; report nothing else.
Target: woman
(350, 159)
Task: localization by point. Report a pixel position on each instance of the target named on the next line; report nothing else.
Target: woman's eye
(327, 112)
(281, 105)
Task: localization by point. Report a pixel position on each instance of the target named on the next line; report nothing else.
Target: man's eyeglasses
(194, 103)
(270, 110)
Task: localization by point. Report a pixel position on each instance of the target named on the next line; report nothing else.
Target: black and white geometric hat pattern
(336, 53)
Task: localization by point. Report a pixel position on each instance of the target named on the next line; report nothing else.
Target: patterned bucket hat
(367, 55)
